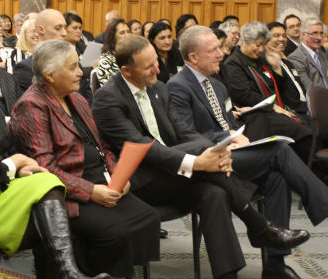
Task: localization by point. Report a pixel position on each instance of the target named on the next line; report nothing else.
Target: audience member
(52, 123)
(183, 22)
(311, 63)
(248, 84)
(116, 30)
(145, 28)
(165, 20)
(135, 26)
(1, 33)
(215, 24)
(197, 107)
(169, 57)
(50, 24)
(324, 43)
(108, 17)
(32, 15)
(232, 31)
(7, 25)
(231, 18)
(74, 32)
(293, 29)
(12, 40)
(86, 36)
(134, 106)
(293, 93)
(28, 39)
(9, 94)
(33, 210)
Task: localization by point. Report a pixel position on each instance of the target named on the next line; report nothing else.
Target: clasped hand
(25, 165)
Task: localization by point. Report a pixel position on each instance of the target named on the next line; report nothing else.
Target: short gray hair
(18, 17)
(50, 57)
(227, 26)
(309, 22)
(190, 39)
(254, 31)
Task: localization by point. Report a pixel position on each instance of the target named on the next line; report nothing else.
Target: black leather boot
(52, 222)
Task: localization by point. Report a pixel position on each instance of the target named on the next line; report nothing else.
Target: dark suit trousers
(212, 203)
(277, 170)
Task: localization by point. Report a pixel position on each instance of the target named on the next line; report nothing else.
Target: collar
(310, 51)
(134, 89)
(293, 41)
(199, 76)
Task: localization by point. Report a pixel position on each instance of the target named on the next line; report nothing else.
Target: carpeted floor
(310, 260)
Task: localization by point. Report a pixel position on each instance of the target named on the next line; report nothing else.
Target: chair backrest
(317, 102)
(94, 81)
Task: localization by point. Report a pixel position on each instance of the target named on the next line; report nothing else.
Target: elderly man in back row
(275, 167)
(310, 62)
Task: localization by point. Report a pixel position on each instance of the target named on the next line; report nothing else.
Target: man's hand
(105, 196)
(273, 57)
(218, 161)
(279, 109)
(240, 140)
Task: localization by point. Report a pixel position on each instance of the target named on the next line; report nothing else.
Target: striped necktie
(148, 114)
(215, 105)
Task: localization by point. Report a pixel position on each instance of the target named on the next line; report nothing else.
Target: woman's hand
(126, 188)
(25, 165)
(279, 109)
(273, 57)
(105, 196)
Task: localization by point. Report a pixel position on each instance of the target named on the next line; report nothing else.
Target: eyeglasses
(316, 34)
(235, 34)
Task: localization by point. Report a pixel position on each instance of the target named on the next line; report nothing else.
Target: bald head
(110, 15)
(50, 25)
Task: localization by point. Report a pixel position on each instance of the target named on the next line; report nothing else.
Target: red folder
(130, 158)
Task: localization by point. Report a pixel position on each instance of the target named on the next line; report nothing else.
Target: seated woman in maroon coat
(53, 124)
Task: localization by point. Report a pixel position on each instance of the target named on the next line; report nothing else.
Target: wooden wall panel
(242, 9)
(264, 11)
(196, 8)
(214, 10)
(133, 9)
(153, 11)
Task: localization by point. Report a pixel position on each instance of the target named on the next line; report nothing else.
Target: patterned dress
(106, 68)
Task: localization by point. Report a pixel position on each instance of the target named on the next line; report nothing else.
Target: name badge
(295, 73)
(228, 104)
(267, 74)
(107, 176)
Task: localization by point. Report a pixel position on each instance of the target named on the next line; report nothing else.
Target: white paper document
(91, 54)
(266, 102)
(267, 140)
(227, 140)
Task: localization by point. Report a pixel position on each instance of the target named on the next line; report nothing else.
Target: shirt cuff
(187, 165)
(11, 168)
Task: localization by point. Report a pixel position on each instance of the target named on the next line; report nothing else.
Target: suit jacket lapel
(128, 96)
(307, 54)
(198, 90)
(57, 108)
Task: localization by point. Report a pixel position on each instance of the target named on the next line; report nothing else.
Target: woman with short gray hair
(53, 123)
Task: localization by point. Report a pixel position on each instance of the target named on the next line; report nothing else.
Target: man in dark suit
(271, 166)
(9, 92)
(50, 24)
(311, 63)
(109, 16)
(293, 28)
(180, 167)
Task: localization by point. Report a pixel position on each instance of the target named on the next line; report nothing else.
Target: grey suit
(307, 68)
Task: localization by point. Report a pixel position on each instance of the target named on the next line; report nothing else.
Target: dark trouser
(212, 203)
(112, 240)
(277, 170)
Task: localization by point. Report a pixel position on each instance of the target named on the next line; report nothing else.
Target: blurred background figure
(28, 39)
(145, 28)
(18, 22)
(116, 30)
(135, 26)
(183, 22)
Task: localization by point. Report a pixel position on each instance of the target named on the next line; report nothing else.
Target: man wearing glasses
(232, 30)
(311, 63)
(293, 30)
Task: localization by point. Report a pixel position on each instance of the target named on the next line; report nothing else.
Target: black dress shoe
(278, 237)
(280, 271)
(163, 233)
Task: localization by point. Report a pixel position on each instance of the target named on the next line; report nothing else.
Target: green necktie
(215, 105)
(148, 114)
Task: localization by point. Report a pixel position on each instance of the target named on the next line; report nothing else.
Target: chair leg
(146, 271)
(197, 236)
(264, 250)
